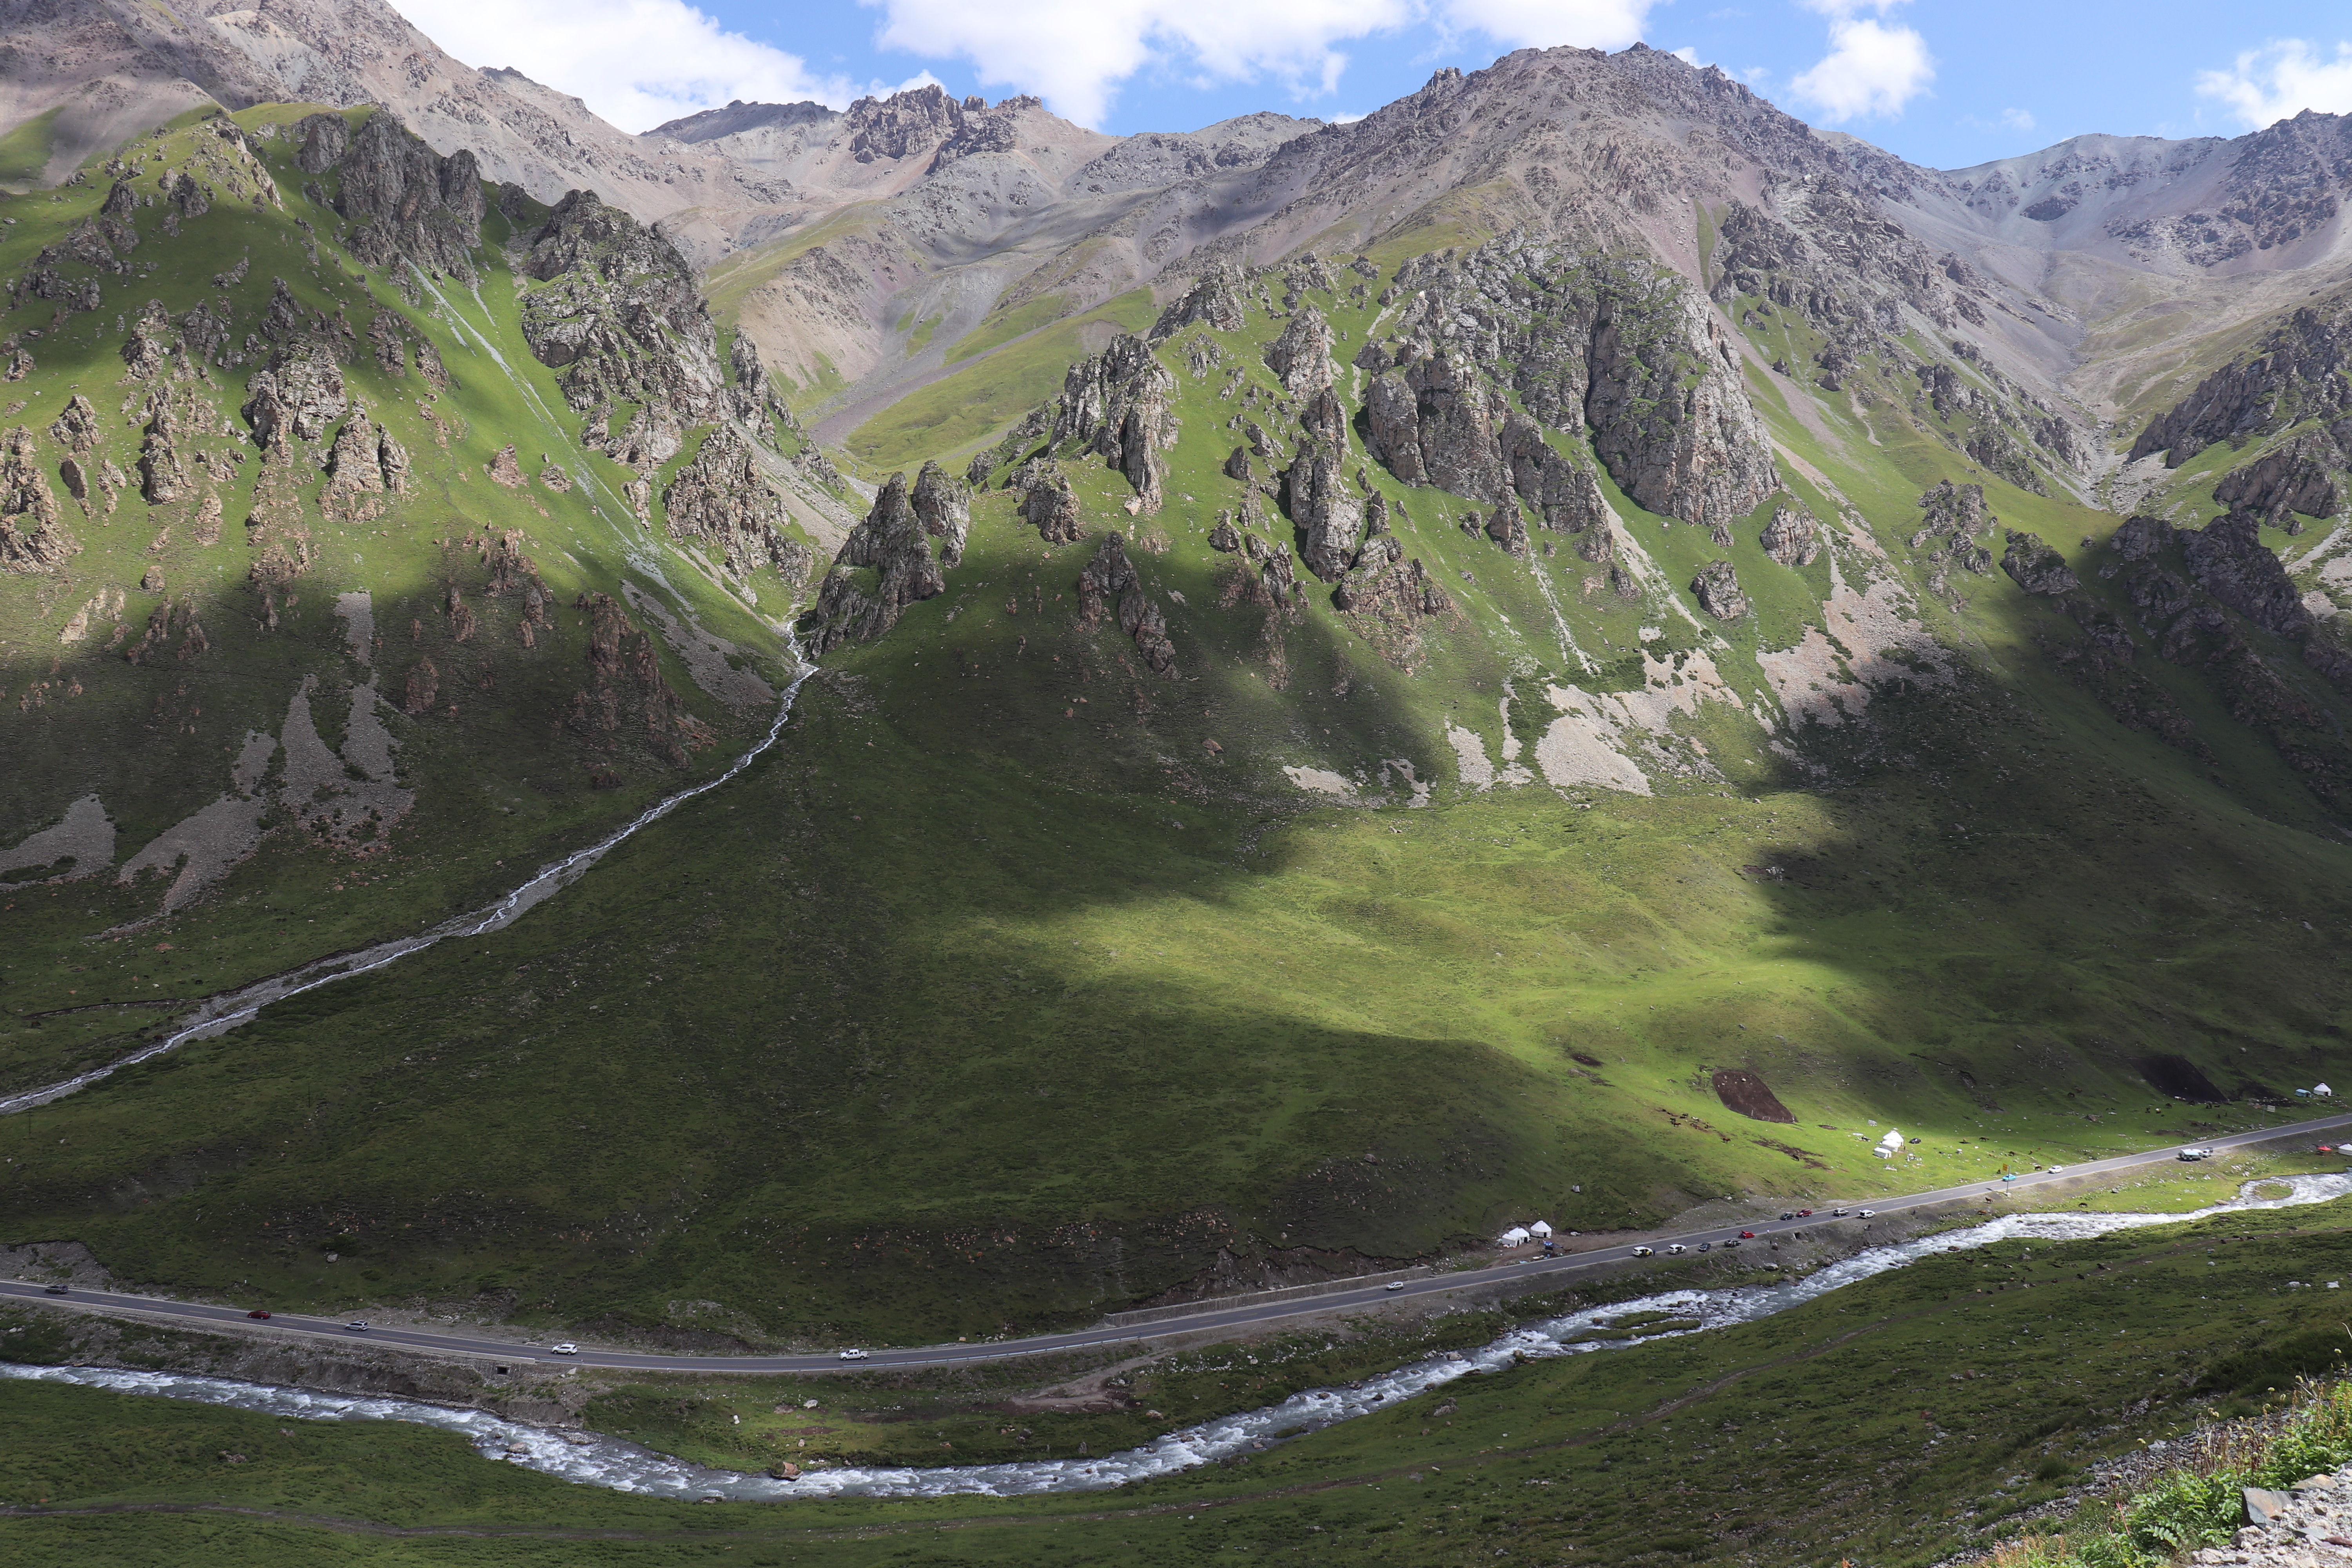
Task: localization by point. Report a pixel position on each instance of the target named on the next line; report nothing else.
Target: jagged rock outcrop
(1301, 356)
(1109, 582)
(148, 350)
(1594, 346)
(2036, 567)
(2295, 478)
(1792, 538)
(1564, 494)
(163, 471)
(1049, 504)
(1316, 494)
(404, 200)
(2296, 372)
(298, 394)
(899, 555)
(1216, 296)
(618, 317)
(33, 534)
(2228, 559)
(1120, 404)
(75, 426)
(722, 497)
(1717, 588)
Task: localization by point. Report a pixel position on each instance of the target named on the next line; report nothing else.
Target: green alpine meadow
(895, 729)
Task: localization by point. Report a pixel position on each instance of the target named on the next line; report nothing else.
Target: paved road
(1210, 1317)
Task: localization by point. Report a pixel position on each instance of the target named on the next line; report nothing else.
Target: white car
(853, 1355)
(1396, 1285)
(1677, 1250)
(566, 1348)
(1865, 1213)
(2057, 1170)
(1641, 1252)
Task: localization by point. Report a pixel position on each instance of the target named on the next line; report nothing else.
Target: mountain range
(1563, 649)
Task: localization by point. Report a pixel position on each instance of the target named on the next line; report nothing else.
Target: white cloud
(2281, 79)
(635, 62)
(2017, 119)
(1871, 69)
(1545, 23)
(1074, 53)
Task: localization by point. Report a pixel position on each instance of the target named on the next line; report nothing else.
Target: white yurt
(1540, 1230)
(1515, 1236)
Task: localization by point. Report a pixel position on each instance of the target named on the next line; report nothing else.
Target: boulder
(1717, 587)
(1792, 538)
(2037, 568)
(1050, 505)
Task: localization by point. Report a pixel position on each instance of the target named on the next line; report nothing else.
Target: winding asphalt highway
(1209, 1317)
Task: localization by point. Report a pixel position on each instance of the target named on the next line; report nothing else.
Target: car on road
(1676, 1250)
(1707, 1246)
(1804, 1214)
(1641, 1252)
(1396, 1285)
(357, 1327)
(1839, 1214)
(56, 1289)
(1788, 1214)
(566, 1348)
(2194, 1153)
(1865, 1213)
(1729, 1245)
(258, 1313)
(1746, 1236)
(2057, 1170)
(853, 1355)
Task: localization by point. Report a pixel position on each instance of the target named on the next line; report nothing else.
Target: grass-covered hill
(324, 602)
(1416, 740)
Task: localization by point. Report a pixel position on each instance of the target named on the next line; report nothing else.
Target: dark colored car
(1789, 1214)
(56, 1289)
(258, 1313)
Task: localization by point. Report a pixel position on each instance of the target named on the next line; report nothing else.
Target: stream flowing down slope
(224, 1012)
(595, 1461)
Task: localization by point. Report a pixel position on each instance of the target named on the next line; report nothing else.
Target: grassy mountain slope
(452, 617)
(999, 996)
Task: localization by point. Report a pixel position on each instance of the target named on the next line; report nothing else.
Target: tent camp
(1515, 1236)
(1540, 1230)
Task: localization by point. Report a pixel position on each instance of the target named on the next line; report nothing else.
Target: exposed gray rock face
(900, 554)
(1564, 494)
(1110, 581)
(1792, 538)
(2296, 372)
(723, 499)
(1301, 356)
(148, 350)
(1216, 298)
(2228, 560)
(1508, 528)
(1323, 508)
(76, 428)
(298, 394)
(163, 472)
(1957, 510)
(321, 142)
(2037, 568)
(392, 459)
(403, 199)
(33, 534)
(2292, 479)
(1717, 587)
(1119, 405)
(1049, 504)
(1595, 347)
(352, 464)
(619, 319)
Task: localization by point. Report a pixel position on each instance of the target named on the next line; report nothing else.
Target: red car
(1746, 1236)
(257, 1312)
(1804, 1214)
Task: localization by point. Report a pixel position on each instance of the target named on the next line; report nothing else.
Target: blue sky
(1942, 82)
